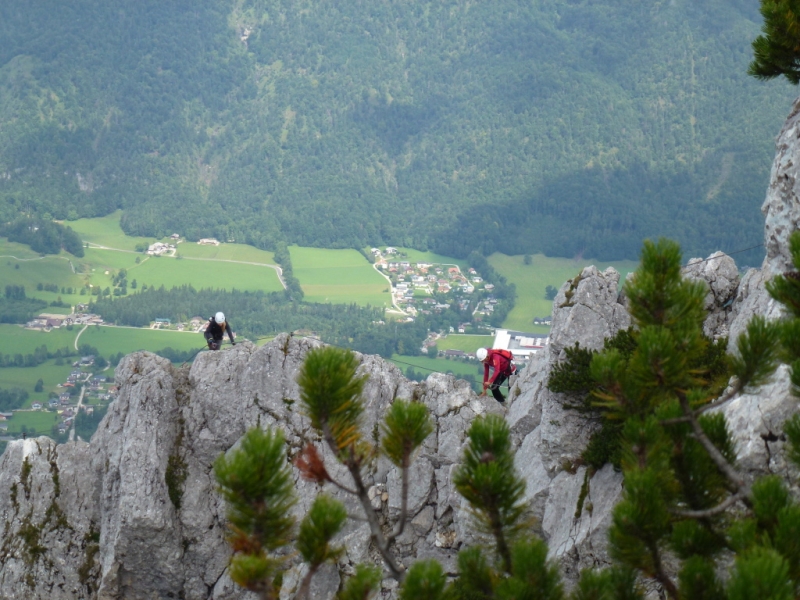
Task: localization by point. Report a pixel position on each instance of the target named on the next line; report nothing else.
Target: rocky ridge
(134, 513)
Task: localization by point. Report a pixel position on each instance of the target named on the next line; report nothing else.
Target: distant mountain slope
(563, 126)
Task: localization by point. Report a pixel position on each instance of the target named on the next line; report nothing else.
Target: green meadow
(36, 422)
(19, 340)
(531, 281)
(16, 251)
(204, 273)
(105, 231)
(26, 377)
(338, 277)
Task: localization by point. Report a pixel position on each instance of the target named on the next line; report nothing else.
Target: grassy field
(24, 341)
(204, 273)
(338, 276)
(110, 340)
(105, 231)
(38, 421)
(26, 377)
(13, 250)
(239, 252)
(531, 281)
(466, 343)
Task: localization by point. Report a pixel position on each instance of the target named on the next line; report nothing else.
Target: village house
(159, 248)
(175, 236)
(208, 242)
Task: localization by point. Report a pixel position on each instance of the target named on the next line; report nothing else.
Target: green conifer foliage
(777, 51)
(257, 484)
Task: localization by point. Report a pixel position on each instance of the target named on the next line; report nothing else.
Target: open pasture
(19, 340)
(531, 281)
(36, 422)
(237, 252)
(44, 270)
(15, 251)
(105, 231)
(26, 378)
(338, 276)
(199, 273)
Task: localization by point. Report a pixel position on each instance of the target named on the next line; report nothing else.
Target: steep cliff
(135, 514)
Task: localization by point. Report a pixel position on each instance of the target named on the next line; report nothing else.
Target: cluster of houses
(419, 287)
(46, 321)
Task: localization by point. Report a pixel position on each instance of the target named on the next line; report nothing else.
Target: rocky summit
(135, 512)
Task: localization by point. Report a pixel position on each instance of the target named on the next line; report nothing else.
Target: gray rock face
(586, 310)
(721, 277)
(135, 514)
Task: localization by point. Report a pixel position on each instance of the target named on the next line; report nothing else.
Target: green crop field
(531, 281)
(19, 340)
(338, 276)
(465, 343)
(111, 340)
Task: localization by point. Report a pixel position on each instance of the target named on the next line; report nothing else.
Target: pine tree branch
(661, 575)
(401, 525)
(727, 396)
(736, 483)
(708, 512)
(381, 543)
(344, 488)
(354, 467)
(305, 587)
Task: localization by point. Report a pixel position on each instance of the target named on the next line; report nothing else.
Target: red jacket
(500, 361)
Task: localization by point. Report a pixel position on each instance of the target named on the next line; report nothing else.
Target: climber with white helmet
(215, 331)
(502, 363)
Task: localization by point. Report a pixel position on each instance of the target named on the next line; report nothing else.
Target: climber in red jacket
(501, 361)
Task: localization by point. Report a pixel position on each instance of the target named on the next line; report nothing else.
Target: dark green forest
(563, 126)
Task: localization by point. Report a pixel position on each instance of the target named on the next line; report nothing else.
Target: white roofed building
(521, 344)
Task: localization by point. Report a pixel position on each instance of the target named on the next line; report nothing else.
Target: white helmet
(219, 318)
(481, 354)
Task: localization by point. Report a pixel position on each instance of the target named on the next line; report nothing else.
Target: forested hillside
(560, 126)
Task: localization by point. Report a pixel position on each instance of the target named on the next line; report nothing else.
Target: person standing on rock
(215, 331)
(501, 361)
